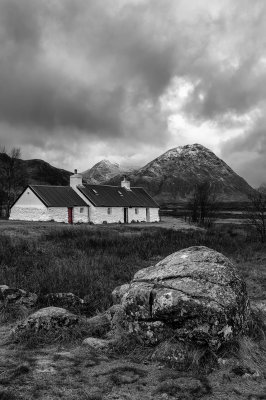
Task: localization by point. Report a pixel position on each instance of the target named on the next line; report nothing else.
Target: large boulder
(194, 294)
(47, 319)
(14, 296)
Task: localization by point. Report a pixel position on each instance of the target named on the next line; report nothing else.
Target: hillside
(172, 176)
(39, 172)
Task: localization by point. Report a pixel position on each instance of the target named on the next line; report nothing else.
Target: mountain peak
(173, 175)
(107, 163)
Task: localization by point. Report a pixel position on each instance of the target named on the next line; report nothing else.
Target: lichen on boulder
(46, 320)
(194, 294)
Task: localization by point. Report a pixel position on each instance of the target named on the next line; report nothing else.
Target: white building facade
(80, 203)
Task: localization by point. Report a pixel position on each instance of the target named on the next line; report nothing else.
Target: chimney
(76, 179)
(125, 184)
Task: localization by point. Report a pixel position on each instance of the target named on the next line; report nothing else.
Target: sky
(126, 80)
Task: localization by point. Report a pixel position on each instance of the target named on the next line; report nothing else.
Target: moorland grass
(92, 262)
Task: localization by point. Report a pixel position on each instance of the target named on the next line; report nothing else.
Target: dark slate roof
(116, 196)
(58, 196)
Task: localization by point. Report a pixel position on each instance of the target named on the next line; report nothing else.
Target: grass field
(90, 261)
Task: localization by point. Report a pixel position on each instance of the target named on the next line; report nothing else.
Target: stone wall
(78, 216)
(99, 214)
(154, 215)
(140, 216)
(23, 213)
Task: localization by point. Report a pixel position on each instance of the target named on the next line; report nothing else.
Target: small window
(136, 211)
(94, 191)
(120, 193)
(109, 210)
(81, 210)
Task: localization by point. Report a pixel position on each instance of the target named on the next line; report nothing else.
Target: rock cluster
(11, 296)
(194, 294)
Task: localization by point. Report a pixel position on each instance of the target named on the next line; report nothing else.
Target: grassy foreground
(92, 261)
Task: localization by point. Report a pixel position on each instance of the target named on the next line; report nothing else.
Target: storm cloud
(85, 80)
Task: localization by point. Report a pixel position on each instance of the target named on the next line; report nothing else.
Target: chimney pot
(75, 171)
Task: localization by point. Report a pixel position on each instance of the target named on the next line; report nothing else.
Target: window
(81, 210)
(120, 193)
(109, 210)
(136, 211)
(94, 191)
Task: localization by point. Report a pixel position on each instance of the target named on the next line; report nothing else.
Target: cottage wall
(29, 207)
(58, 214)
(154, 215)
(140, 216)
(99, 214)
(29, 214)
(82, 217)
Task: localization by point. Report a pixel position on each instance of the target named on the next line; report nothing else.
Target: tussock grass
(13, 312)
(92, 262)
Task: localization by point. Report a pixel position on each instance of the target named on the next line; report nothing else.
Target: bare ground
(76, 372)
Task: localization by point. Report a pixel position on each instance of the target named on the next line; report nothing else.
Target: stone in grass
(47, 320)
(14, 296)
(195, 294)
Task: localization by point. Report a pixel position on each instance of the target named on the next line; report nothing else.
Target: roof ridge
(65, 186)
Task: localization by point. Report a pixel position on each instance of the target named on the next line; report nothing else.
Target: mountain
(103, 171)
(172, 176)
(39, 172)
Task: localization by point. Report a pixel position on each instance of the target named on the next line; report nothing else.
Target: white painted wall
(58, 214)
(29, 199)
(29, 208)
(99, 214)
(80, 217)
(154, 215)
(141, 216)
(29, 213)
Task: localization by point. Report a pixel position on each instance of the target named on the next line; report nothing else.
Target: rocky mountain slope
(172, 176)
(103, 171)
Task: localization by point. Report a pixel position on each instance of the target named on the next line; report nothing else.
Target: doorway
(148, 217)
(70, 215)
(125, 215)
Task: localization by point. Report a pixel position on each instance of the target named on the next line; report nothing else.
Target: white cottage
(85, 203)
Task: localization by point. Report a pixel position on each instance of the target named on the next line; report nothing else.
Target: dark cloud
(99, 71)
